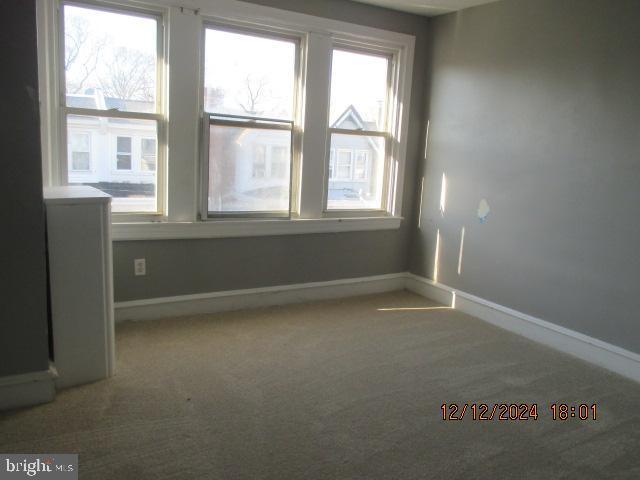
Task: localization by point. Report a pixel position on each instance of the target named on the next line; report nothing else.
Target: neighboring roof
(81, 101)
(351, 113)
(128, 105)
(93, 99)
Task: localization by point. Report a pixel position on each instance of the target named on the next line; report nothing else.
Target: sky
(357, 79)
(233, 61)
(120, 30)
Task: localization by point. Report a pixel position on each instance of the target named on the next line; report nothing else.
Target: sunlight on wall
(426, 139)
(443, 193)
(420, 205)
(436, 257)
(461, 250)
(453, 299)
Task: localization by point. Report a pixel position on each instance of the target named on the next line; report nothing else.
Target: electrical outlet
(140, 266)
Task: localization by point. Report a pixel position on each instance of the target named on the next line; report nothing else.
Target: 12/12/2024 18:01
(516, 411)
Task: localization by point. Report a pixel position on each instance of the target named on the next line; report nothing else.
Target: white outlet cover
(140, 266)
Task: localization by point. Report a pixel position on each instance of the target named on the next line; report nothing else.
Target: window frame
(210, 118)
(179, 180)
(385, 133)
(253, 123)
(123, 8)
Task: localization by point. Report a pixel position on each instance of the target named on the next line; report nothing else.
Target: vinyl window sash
(241, 121)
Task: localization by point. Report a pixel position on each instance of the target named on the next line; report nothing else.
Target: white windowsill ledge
(248, 228)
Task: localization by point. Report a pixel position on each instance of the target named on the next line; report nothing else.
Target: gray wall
(534, 105)
(194, 266)
(23, 314)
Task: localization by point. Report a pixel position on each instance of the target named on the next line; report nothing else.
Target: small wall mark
(483, 210)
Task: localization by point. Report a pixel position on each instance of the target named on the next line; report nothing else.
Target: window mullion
(314, 145)
(182, 135)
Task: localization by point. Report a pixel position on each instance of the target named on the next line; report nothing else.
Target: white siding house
(116, 155)
(249, 168)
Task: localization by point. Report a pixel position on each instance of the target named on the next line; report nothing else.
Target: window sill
(248, 228)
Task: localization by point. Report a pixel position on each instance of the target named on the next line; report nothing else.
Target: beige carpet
(344, 389)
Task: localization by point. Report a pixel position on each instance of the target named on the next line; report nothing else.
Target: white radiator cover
(81, 283)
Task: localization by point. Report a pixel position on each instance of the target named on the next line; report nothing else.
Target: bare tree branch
(129, 74)
(82, 54)
(254, 95)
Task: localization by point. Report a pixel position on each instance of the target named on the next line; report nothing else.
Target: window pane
(80, 161)
(249, 75)
(123, 161)
(110, 60)
(148, 160)
(279, 161)
(357, 184)
(344, 165)
(80, 142)
(113, 170)
(123, 155)
(361, 170)
(259, 168)
(80, 151)
(358, 91)
(124, 144)
(242, 177)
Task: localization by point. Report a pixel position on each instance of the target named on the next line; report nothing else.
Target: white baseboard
(592, 350)
(27, 389)
(255, 297)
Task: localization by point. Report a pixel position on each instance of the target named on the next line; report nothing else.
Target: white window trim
(246, 228)
(181, 199)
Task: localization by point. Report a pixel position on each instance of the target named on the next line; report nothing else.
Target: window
(332, 163)
(361, 169)
(123, 153)
(111, 84)
(279, 162)
(249, 93)
(344, 165)
(360, 83)
(80, 151)
(299, 118)
(259, 169)
(149, 156)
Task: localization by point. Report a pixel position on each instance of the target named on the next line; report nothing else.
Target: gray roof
(81, 101)
(352, 112)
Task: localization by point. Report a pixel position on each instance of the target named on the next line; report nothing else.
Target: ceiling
(426, 7)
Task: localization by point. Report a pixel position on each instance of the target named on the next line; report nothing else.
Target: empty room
(320, 239)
